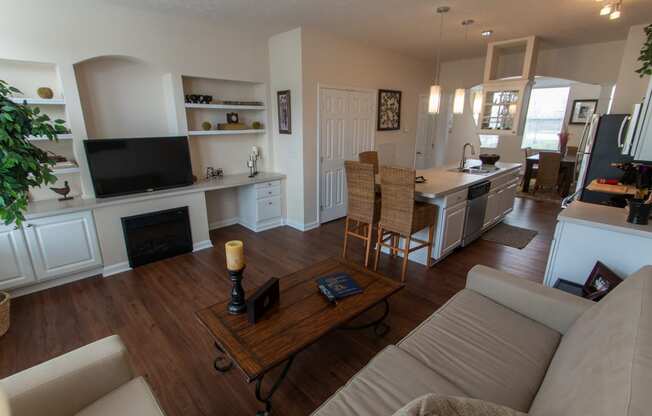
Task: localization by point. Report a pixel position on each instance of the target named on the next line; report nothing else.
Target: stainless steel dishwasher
(475, 210)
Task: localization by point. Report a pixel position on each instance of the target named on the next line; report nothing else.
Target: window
(488, 141)
(545, 118)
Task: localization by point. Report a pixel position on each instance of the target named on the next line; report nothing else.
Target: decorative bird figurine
(63, 192)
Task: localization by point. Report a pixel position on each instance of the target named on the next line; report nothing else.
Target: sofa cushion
(603, 366)
(434, 405)
(485, 349)
(390, 380)
(4, 403)
(131, 399)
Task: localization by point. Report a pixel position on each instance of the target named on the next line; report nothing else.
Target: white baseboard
(223, 223)
(202, 245)
(54, 282)
(116, 268)
(302, 227)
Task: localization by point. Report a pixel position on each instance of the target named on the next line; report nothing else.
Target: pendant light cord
(441, 35)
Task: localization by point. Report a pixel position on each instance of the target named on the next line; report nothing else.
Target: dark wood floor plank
(153, 309)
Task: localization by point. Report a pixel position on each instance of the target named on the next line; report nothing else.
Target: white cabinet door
(63, 244)
(15, 265)
(507, 199)
(453, 227)
(491, 212)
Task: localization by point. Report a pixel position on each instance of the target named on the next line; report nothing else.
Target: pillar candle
(234, 255)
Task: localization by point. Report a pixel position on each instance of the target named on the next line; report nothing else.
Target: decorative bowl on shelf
(45, 93)
(206, 125)
(489, 158)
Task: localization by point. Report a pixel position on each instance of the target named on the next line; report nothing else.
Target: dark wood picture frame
(389, 110)
(575, 116)
(284, 109)
(600, 282)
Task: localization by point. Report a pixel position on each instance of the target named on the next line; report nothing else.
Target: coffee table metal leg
(379, 325)
(267, 399)
(222, 363)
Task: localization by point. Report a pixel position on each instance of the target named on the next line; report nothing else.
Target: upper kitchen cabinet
(508, 78)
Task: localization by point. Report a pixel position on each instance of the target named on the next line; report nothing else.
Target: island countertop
(602, 216)
(443, 181)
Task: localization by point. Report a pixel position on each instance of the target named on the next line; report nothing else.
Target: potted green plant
(22, 165)
(646, 54)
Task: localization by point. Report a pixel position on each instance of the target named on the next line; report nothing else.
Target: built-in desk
(62, 241)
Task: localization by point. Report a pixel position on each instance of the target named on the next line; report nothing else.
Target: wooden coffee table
(302, 317)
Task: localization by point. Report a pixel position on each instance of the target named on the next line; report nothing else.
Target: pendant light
(434, 103)
(460, 93)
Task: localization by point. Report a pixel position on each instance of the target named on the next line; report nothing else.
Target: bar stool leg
(431, 237)
(379, 246)
(406, 253)
(368, 244)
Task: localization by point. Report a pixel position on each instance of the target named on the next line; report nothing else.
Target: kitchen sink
(475, 170)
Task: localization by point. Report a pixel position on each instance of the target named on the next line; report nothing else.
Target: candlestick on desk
(235, 263)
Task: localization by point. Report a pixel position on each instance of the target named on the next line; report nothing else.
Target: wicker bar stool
(402, 216)
(363, 205)
(370, 157)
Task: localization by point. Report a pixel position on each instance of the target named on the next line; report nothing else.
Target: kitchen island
(588, 233)
(447, 189)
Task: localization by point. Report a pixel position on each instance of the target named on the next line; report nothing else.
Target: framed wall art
(284, 112)
(389, 110)
(582, 110)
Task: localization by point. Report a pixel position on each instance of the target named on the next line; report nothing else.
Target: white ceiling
(411, 26)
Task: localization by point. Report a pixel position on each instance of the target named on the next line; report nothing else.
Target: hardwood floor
(153, 309)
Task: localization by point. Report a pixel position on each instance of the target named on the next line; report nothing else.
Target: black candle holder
(237, 305)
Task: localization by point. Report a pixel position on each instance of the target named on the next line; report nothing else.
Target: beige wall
(286, 73)
(630, 88)
(333, 61)
(590, 64)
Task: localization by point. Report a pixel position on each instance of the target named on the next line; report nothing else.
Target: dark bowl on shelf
(489, 159)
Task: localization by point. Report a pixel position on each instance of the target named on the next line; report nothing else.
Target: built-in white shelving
(63, 171)
(67, 136)
(225, 106)
(224, 132)
(38, 101)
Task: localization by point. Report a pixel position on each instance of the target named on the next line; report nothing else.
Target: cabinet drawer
(268, 192)
(503, 179)
(270, 184)
(456, 198)
(269, 208)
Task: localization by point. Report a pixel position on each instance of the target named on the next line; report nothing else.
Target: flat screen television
(127, 166)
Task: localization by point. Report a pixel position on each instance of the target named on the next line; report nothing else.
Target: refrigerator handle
(620, 132)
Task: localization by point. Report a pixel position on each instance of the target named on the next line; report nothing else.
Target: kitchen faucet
(463, 161)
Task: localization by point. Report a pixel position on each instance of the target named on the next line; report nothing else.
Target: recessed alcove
(121, 97)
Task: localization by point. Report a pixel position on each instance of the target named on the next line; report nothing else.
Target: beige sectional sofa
(516, 343)
(94, 380)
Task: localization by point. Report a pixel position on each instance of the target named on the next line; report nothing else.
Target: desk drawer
(269, 208)
(265, 185)
(456, 198)
(268, 192)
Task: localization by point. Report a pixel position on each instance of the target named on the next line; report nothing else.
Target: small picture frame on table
(600, 282)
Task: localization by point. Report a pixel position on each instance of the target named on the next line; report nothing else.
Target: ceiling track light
(615, 14)
(486, 33)
(611, 9)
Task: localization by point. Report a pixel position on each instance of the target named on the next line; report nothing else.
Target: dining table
(566, 169)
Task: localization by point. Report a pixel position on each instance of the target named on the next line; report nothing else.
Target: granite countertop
(442, 181)
(602, 216)
(52, 206)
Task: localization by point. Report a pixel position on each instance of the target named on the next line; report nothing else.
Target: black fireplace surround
(157, 235)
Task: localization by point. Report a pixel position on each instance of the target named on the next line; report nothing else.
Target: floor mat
(510, 235)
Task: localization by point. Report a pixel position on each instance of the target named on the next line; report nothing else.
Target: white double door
(346, 128)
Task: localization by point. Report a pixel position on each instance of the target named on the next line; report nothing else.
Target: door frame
(321, 86)
(433, 134)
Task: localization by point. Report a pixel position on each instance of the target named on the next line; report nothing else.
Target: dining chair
(363, 207)
(370, 157)
(533, 170)
(401, 216)
(548, 174)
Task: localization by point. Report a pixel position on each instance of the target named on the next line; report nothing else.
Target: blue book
(338, 286)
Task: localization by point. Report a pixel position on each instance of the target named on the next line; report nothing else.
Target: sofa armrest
(66, 384)
(551, 307)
